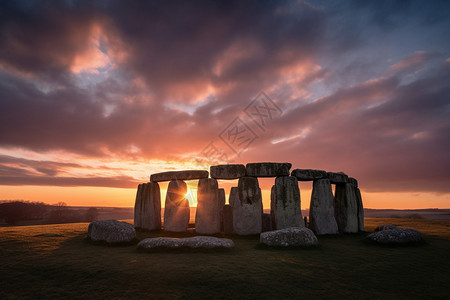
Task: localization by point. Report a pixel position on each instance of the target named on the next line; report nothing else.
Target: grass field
(68, 266)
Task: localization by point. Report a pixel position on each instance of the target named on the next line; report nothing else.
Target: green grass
(33, 266)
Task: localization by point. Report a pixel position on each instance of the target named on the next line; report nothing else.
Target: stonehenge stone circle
(286, 207)
(147, 210)
(346, 208)
(176, 212)
(179, 175)
(268, 169)
(227, 171)
(308, 174)
(247, 207)
(321, 209)
(207, 218)
(342, 212)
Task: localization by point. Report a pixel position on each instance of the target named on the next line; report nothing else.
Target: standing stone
(321, 210)
(273, 195)
(150, 216)
(232, 171)
(247, 207)
(346, 208)
(138, 206)
(207, 218)
(268, 169)
(176, 212)
(287, 211)
(360, 209)
(227, 219)
(234, 195)
(266, 223)
(353, 181)
(221, 205)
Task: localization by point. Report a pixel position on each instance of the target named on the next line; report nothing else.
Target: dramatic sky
(97, 95)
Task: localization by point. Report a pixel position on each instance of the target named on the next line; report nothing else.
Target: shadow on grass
(104, 243)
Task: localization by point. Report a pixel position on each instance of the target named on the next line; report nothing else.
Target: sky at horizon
(97, 95)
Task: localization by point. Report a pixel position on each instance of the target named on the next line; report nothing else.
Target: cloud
(155, 80)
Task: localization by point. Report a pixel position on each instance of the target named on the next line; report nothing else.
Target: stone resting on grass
(289, 237)
(111, 231)
(391, 235)
(205, 242)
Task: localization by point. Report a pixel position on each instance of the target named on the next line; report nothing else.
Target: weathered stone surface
(227, 219)
(111, 231)
(232, 171)
(179, 175)
(321, 209)
(308, 174)
(346, 208)
(273, 195)
(176, 212)
(138, 206)
(206, 242)
(207, 218)
(353, 181)
(397, 236)
(289, 237)
(221, 194)
(266, 223)
(337, 178)
(359, 204)
(268, 169)
(234, 195)
(382, 227)
(147, 209)
(286, 207)
(247, 207)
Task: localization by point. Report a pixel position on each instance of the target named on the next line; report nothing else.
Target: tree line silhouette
(13, 212)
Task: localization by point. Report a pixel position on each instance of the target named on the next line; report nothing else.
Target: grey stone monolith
(346, 208)
(149, 207)
(138, 206)
(287, 211)
(207, 218)
(176, 212)
(321, 209)
(234, 195)
(227, 219)
(247, 207)
(360, 209)
(221, 205)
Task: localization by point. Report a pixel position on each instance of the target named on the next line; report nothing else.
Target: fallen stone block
(396, 236)
(289, 237)
(111, 231)
(198, 242)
